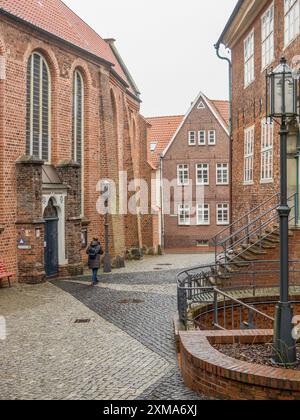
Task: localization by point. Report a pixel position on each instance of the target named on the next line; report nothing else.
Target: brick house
(190, 151)
(258, 34)
(69, 116)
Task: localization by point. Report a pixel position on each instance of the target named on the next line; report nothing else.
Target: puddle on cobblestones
(130, 302)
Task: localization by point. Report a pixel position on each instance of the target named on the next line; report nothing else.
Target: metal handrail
(196, 285)
(247, 228)
(245, 215)
(245, 305)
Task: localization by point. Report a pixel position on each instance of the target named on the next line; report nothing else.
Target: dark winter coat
(95, 262)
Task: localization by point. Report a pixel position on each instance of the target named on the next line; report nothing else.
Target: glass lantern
(281, 92)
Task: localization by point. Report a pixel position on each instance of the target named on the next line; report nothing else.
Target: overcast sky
(167, 46)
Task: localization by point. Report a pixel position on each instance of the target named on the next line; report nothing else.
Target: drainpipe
(162, 204)
(217, 47)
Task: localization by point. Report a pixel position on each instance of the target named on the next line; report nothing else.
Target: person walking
(94, 252)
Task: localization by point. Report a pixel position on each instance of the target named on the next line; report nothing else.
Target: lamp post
(282, 103)
(107, 263)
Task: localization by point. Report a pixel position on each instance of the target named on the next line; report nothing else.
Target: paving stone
(126, 351)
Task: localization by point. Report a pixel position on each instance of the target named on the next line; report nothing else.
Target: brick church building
(69, 116)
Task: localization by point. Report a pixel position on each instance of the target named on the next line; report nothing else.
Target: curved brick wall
(214, 374)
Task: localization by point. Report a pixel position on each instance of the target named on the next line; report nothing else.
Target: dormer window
(153, 146)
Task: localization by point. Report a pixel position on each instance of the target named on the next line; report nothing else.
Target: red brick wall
(106, 129)
(181, 153)
(209, 372)
(249, 110)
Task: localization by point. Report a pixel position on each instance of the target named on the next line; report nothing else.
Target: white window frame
(267, 151)
(201, 167)
(203, 209)
(249, 136)
(192, 138)
(183, 172)
(223, 170)
(202, 136)
(31, 93)
(249, 71)
(153, 146)
(185, 211)
(291, 21)
(223, 207)
(267, 37)
(212, 138)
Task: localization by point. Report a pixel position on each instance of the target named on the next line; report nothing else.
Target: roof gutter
(230, 21)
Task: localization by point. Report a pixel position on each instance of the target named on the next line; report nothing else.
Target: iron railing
(253, 228)
(200, 285)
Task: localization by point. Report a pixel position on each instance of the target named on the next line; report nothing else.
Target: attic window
(201, 105)
(153, 146)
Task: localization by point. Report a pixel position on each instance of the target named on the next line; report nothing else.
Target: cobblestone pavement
(126, 351)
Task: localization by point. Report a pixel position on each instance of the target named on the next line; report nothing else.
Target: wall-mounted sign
(24, 247)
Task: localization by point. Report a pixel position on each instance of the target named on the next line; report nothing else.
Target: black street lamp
(107, 262)
(281, 100)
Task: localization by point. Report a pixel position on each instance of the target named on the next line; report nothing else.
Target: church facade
(69, 117)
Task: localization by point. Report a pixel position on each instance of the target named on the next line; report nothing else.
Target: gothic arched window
(38, 117)
(78, 111)
(78, 127)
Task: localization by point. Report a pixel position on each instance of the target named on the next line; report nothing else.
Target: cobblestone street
(125, 351)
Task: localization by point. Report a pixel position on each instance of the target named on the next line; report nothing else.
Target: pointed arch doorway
(51, 239)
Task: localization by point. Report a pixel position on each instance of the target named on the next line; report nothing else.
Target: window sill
(223, 224)
(290, 42)
(266, 181)
(249, 84)
(263, 70)
(248, 184)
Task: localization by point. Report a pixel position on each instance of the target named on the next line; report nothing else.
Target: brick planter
(214, 374)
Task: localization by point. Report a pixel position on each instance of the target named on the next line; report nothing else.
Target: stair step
(229, 269)
(255, 250)
(272, 240)
(248, 257)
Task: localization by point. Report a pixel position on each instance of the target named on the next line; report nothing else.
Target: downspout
(162, 204)
(217, 47)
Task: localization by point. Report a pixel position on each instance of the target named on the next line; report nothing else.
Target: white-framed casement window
(202, 174)
(184, 215)
(223, 214)
(267, 141)
(183, 174)
(222, 173)
(212, 138)
(291, 20)
(38, 113)
(153, 146)
(249, 59)
(267, 37)
(192, 138)
(249, 155)
(202, 138)
(203, 214)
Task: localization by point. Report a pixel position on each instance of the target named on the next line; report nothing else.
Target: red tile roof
(162, 130)
(58, 19)
(223, 108)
